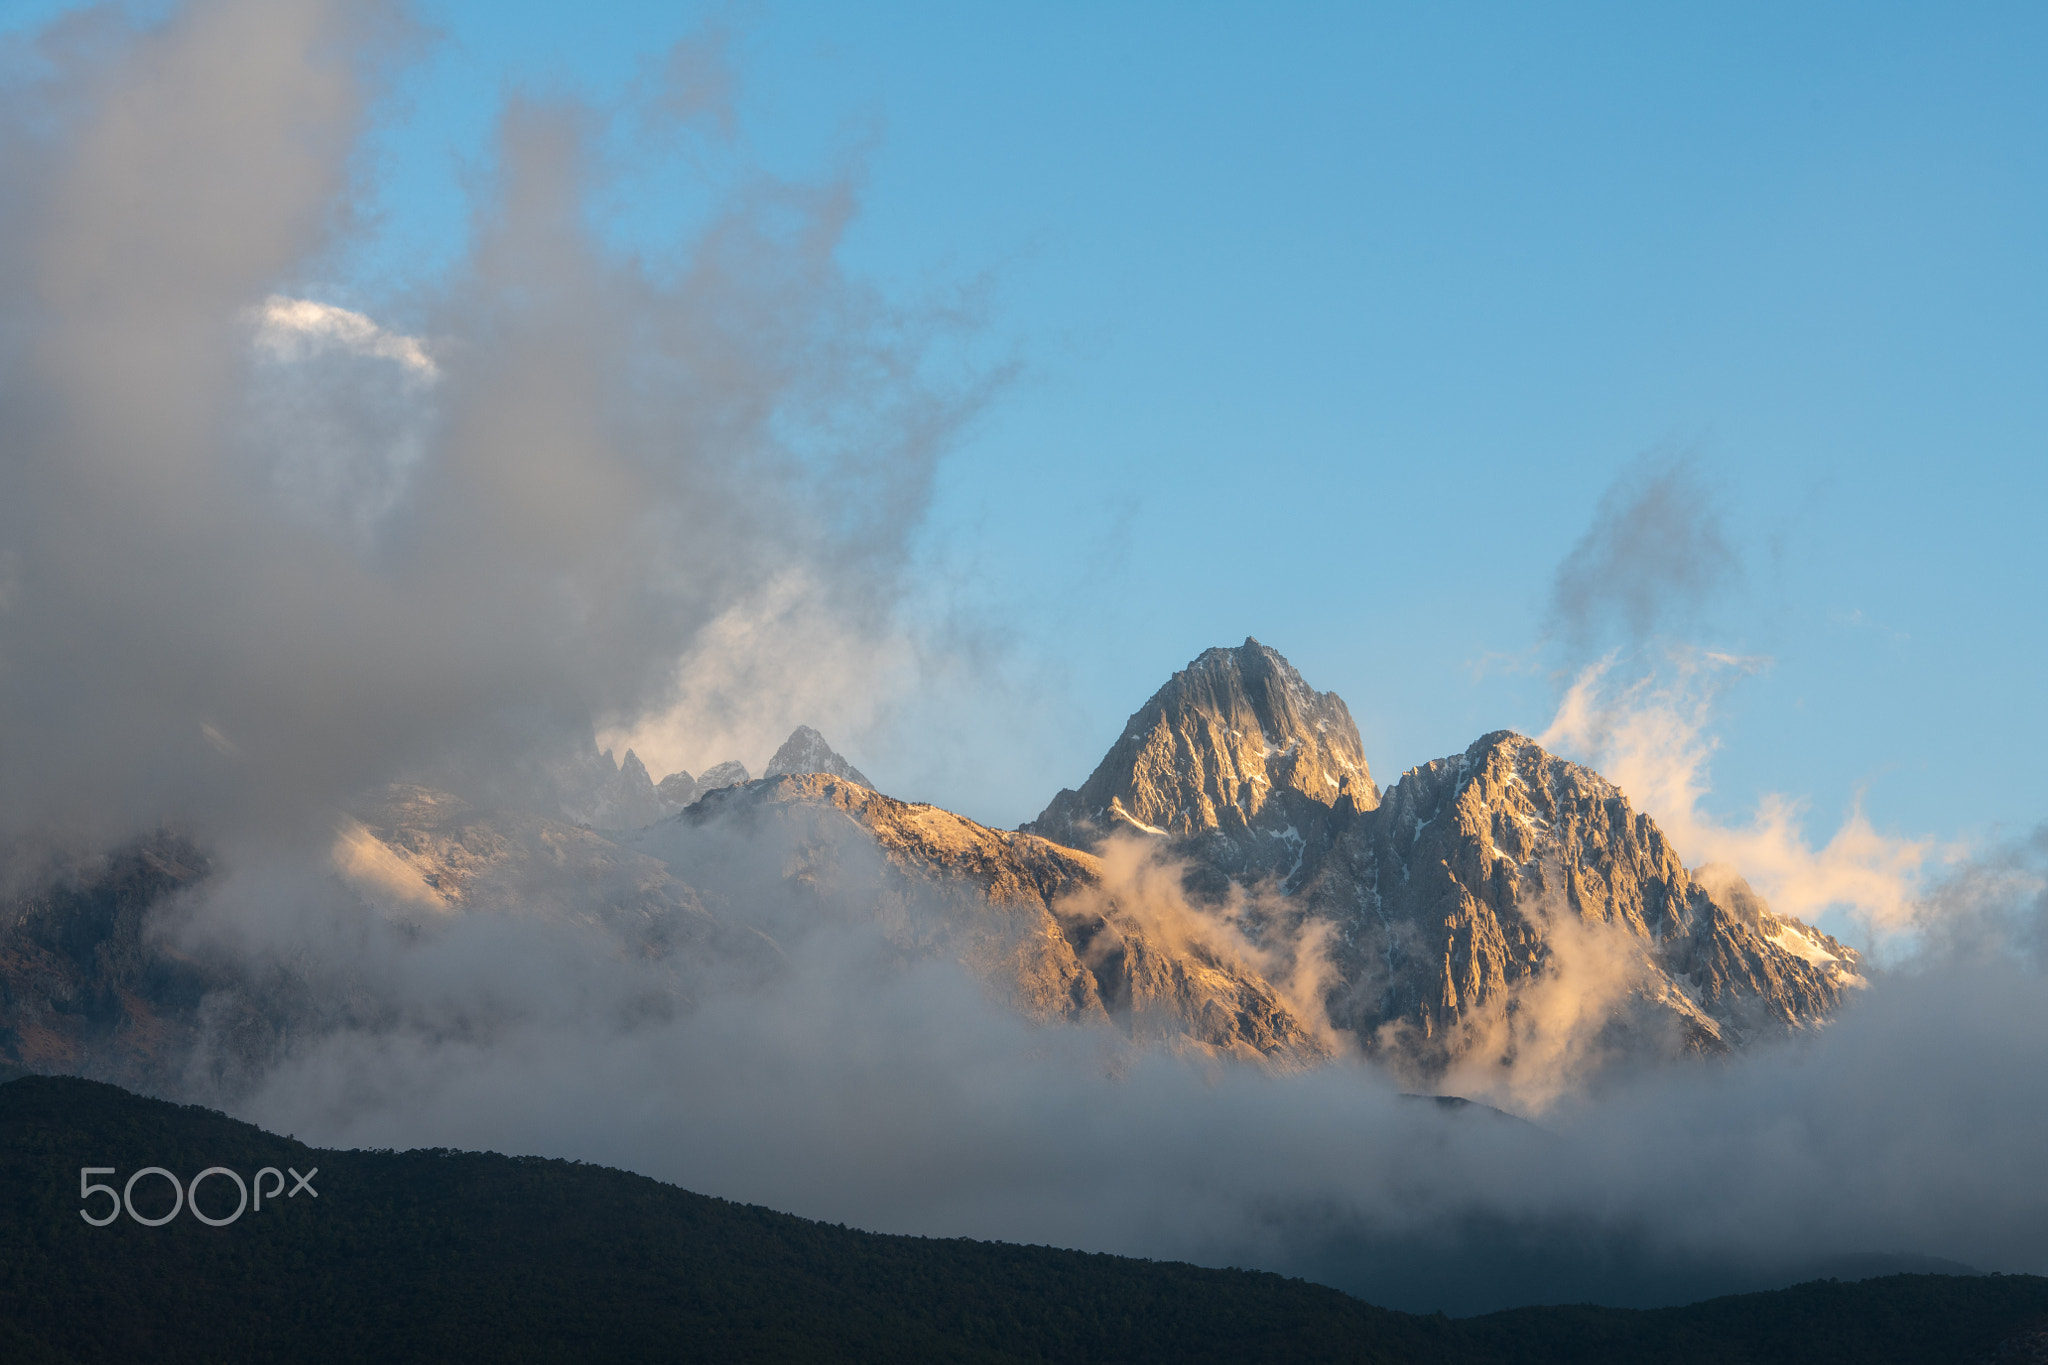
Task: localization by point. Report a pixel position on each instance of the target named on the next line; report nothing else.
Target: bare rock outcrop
(1236, 756)
(730, 773)
(1474, 895)
(805, 751)
(1035, 921)
(1483, 873)
(675, 791)
(1462, 913)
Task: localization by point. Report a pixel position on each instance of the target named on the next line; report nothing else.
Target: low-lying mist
(814, 1063)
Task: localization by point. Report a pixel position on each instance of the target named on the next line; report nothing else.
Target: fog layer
(835, 1073)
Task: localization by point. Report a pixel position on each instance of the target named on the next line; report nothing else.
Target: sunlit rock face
(1507, 882)
(1236, 756)
(805, 751)
(1034, 921)
(1494, 904)
(1502, 909)
(95, 981)
(509, 862)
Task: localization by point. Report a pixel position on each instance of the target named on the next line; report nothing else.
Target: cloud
(1657, 551)
(235, 510)
(792, 652)
(1654, 557)
(1249, 932)
(296, 329)
(1649, 734)
(842, 1073)
(698, 82)
(1561, 1033)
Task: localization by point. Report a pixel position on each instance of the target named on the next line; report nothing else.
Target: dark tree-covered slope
(436, 1255)
(84, 988)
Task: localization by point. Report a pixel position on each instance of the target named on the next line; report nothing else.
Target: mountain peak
(676, 791)
(730, 773)
(1237, 747)
(1481, 872)
(805, 751)
(1459, 889)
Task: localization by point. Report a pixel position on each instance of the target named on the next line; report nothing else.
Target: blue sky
(1332, 324)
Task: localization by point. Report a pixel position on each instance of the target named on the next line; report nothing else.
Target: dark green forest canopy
(447, 1255)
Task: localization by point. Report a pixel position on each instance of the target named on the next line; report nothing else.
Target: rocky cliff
(1483, 901)
(805, 751)
(1236, 758)
(1480, 907)
(1487, 874)
(1040, 924)
(93, 982)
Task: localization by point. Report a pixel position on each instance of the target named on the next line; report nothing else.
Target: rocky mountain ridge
(1034, 921)
(1236, 757)
(805, 751)
(1488, 875)
(606, 793)
(94, 983)
(1461, 895)
(1498, 907)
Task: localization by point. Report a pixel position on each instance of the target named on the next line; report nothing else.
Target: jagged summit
(1470, 888)
(805, 751)
(607, 793)
(1236, 750)
(633, 777)
(730, 773)
(1497, 908)
(679, 789)
(676, 790)
(1032, 919)
(1463, 893)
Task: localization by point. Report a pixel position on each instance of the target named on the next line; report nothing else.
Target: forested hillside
(439, 1255)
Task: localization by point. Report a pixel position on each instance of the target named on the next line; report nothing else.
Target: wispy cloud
(359, 549)
(1649, 731)
(1656, 553)
(290, 329)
